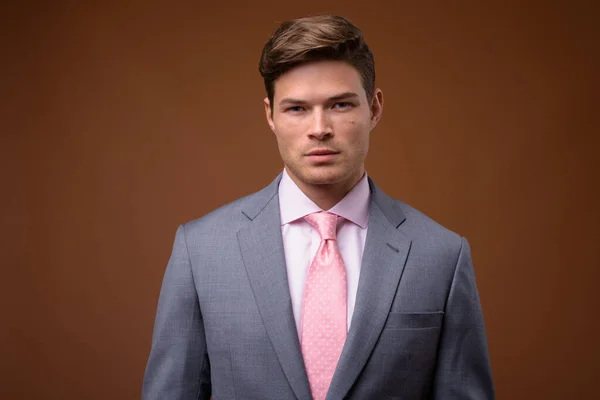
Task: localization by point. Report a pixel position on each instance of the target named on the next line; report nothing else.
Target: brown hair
(308, 39)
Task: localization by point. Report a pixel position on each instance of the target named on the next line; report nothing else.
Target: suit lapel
(385, 254)
(261, 245)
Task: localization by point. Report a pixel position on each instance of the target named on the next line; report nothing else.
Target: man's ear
(376, 107)
(269, 113)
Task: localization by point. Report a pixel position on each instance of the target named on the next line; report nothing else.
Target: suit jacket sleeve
(463, 368)
(178, 367)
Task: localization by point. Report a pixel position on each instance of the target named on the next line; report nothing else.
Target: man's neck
(328, 195)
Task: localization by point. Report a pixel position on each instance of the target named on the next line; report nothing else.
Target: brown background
(119, 122)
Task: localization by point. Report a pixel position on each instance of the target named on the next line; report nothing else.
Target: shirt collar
(294, 204)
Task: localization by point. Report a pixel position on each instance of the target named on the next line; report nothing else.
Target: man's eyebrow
(341, 96)
(289, 100)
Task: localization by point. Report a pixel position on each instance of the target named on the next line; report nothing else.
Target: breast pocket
(407, 346)
(425, 320)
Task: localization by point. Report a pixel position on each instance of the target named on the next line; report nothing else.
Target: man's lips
(322, 152)
(322, 155)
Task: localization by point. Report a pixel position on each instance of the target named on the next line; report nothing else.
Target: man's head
(308, 39)
(321, 99)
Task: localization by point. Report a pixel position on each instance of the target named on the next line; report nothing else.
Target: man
(319, 286)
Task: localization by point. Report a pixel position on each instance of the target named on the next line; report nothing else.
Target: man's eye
(342, 105)
(295, 109)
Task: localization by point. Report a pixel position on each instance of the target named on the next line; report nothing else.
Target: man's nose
(320, 125)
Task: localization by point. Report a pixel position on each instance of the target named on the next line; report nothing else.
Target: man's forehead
(318, 81)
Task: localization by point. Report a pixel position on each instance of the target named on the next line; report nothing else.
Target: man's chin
(318, 175)
(323, 177)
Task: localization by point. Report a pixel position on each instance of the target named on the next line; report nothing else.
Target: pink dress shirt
(301, 241)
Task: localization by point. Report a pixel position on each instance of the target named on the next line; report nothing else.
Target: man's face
(322, 120)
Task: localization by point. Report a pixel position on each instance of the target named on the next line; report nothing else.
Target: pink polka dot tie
(324, 310)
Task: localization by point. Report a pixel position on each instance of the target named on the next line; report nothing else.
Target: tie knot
(325, 223)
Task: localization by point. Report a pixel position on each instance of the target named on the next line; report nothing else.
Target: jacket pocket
(401, 320)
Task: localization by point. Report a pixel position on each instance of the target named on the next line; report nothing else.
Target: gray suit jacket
(225, 325)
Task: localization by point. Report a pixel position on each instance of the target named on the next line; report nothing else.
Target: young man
(319, 286)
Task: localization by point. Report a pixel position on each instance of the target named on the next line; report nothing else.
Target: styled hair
(317, 38)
